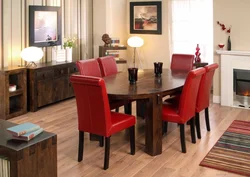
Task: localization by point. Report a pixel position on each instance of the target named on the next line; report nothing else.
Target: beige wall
(156, 47)
(76, 21)
(236, 14)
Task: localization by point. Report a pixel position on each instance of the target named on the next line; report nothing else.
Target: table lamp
(31, 54)
(135, 41)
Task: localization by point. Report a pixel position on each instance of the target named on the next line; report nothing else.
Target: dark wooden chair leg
(107, 150)
(128, 108)
(164, 127)
(182, 135)
(116, 109)
(101, 141)
(192, 129)
(197, 123)
(132, 140)
(80, 146)
(207, 119)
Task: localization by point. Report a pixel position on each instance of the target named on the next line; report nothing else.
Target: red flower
(223, 27)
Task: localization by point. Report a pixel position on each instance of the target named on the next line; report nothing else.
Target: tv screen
(44, 26)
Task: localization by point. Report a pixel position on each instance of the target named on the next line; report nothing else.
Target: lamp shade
(30, 54)
(135, 41)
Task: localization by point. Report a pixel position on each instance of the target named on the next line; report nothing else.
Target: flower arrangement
(69, 42)
(224, 28)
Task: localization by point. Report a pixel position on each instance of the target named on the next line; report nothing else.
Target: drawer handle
(61, 71)
(43, 75)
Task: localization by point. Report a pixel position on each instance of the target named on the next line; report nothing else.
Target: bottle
(229, 43)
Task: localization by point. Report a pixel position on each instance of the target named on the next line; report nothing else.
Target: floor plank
(61, 118)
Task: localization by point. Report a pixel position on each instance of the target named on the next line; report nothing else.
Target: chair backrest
(92, 104)
(182, 62)
(89, 67)
(205, 87)
(108, 65)
(189, 94)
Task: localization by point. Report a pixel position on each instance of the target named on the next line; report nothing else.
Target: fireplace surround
(231, 61)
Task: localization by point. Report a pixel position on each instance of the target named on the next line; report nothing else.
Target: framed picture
(44, 26)
(145, 17)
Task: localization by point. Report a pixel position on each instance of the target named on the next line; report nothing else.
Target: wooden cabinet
(36, 158)
(13, 103)
(49, 83)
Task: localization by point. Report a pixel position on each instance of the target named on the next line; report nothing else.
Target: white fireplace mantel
(231, 60)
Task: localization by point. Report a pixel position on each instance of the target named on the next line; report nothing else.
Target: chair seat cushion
(120, 122)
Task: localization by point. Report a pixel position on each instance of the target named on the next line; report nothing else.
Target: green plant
(69, 42)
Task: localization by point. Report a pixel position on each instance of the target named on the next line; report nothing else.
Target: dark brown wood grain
(49, 83)
(150, 89)
(13, 103)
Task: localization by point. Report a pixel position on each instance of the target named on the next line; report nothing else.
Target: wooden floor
(61, 119)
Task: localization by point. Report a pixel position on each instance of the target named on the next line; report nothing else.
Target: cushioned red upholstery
(94, 115)
(89, 67)
(183, 62)
(107, 65)
(205, 87)
(186, 109)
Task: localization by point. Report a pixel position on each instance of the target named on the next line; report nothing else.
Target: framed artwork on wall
(145, 17)
(44, 26)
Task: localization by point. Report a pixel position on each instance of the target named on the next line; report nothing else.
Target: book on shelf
(4, 167)
(22, 129)
(28, 136)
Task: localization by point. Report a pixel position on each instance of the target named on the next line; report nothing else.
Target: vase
(69, 54)
(158, 68)
(132, 75)
(229, 43)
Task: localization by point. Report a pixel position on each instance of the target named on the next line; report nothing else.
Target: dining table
(151, 89)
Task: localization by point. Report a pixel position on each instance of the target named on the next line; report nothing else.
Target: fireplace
(241, 87)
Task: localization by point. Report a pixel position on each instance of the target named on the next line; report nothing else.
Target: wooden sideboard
(49, 83)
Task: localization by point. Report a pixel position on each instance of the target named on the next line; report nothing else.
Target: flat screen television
(45, 26)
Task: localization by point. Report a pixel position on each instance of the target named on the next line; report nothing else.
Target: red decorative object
(197, 58)
(224, 28)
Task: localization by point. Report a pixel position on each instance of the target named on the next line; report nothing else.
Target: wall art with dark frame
(145, 17)
(45, 26)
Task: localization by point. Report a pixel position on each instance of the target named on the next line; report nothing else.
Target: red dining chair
(108, 67)
(203, 97)
(89, 67)
(91, 95)
(183, 62)
(185, 109)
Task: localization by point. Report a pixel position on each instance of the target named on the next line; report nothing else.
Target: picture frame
(146, 17)
(45, 26)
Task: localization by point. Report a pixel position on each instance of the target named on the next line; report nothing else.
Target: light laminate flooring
(61, 118)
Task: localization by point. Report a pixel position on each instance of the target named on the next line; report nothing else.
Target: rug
(231, 153)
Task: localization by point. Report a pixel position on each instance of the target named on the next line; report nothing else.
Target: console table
(35, 158)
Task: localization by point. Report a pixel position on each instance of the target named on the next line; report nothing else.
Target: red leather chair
(108, 67)
(91, 96)
(89, 67)
(185, 109)
(183, 62)
(203, 96)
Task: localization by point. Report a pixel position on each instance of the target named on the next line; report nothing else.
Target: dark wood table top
(118, 86)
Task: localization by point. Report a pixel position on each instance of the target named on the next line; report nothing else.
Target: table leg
(153, 127)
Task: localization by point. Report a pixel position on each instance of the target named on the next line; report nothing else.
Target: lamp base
(31, 64)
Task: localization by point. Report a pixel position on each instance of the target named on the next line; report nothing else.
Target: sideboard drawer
(41, 75)
(61, 71)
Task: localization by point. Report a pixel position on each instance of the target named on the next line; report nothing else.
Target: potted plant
(68, 44)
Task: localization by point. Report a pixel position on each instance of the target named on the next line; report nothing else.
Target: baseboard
(216, 99)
